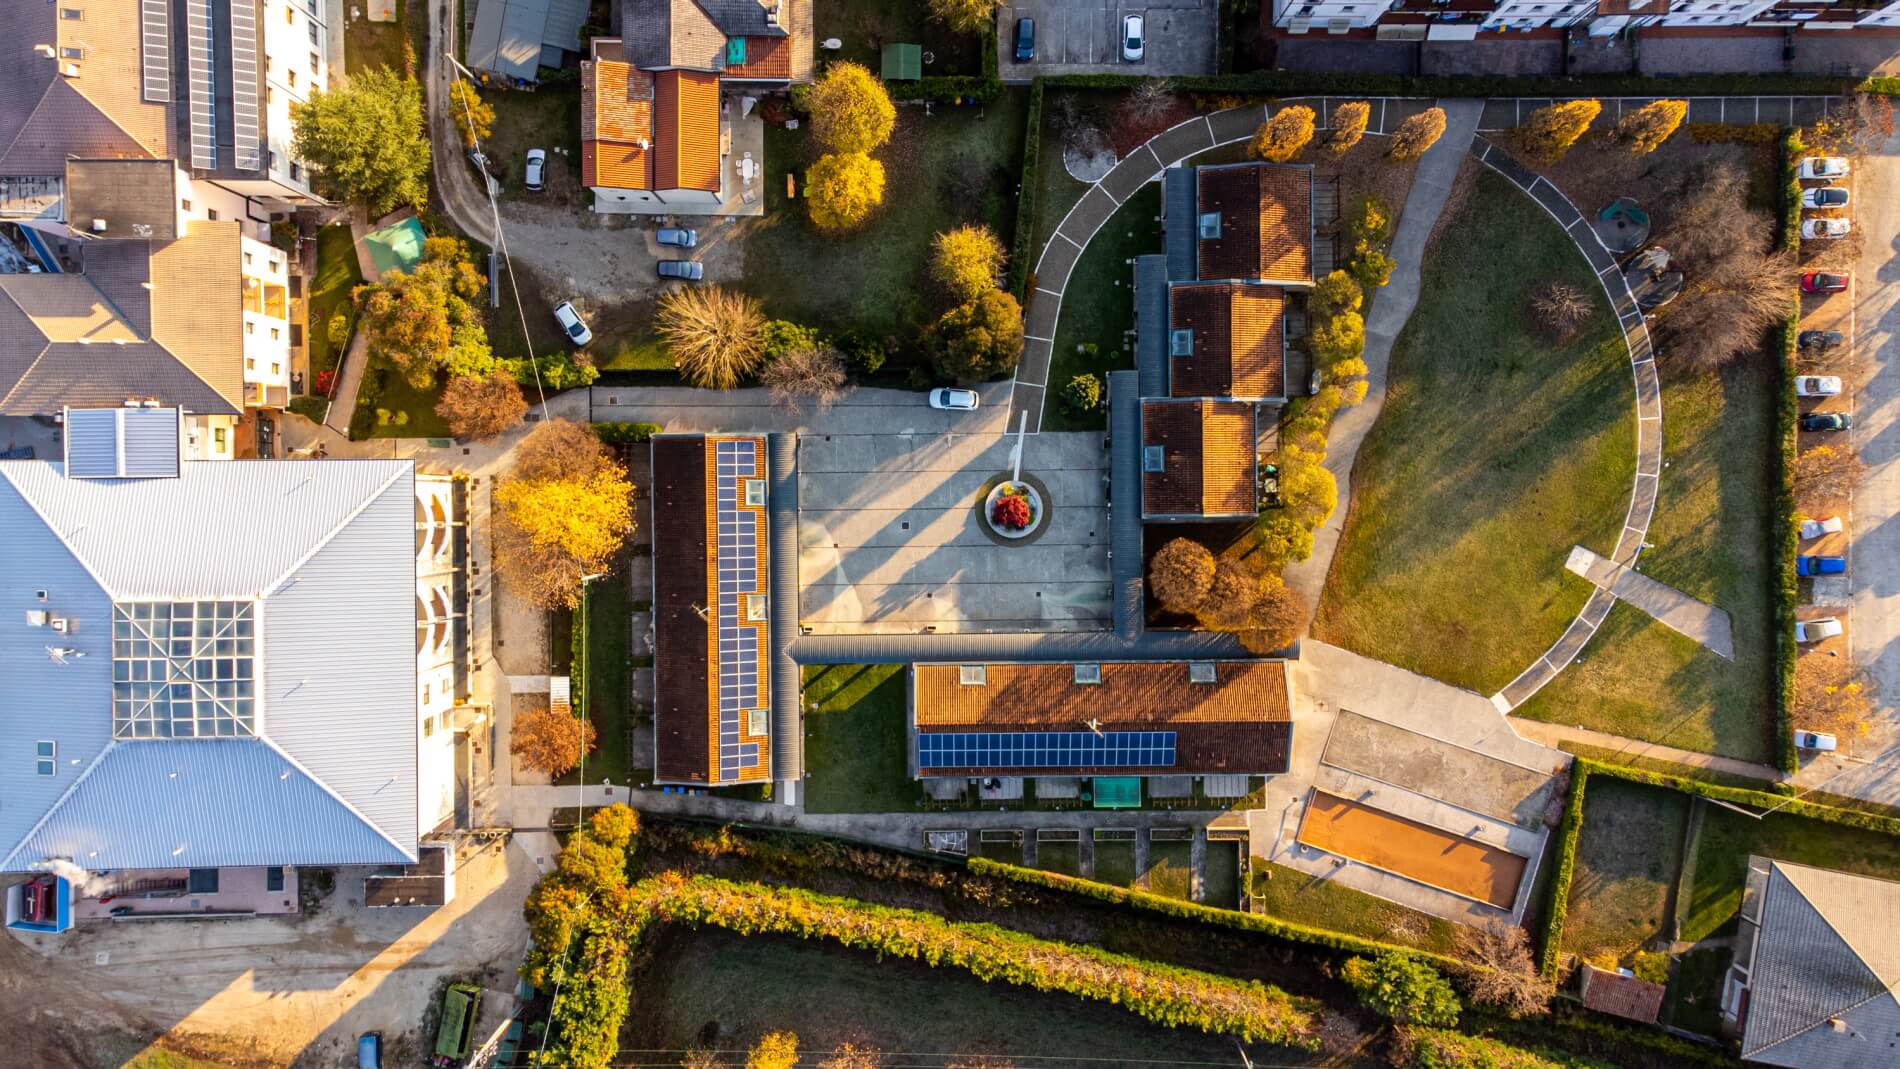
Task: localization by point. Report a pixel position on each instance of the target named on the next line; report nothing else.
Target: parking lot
(1084, 36)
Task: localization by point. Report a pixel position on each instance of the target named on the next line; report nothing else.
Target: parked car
(1025, 40)
(1815, 528)
(685, 270)
(39, 900)
(1815, 740)
(537, 169)
(570, 321)
(953, 400)
(1816, 630)
(1817, 385)
(678, 237)
(1823, 167)
(1820, 340)
(1824, 197)
(369, 1051)
(1816, 422)
(1825, 229)
(1132, 34)
(1823, 282)
(1808, 567)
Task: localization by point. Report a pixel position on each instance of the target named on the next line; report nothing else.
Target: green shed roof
(902, 63)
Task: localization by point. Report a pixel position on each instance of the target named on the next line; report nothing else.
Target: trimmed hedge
(633, 433)
(1881, 86)
(1558, 904)
(1022, 244)
(951, 89)
(1785, 536)
(1781, 803)
(1436, 1048)
(1200, 914)
(1315, 83)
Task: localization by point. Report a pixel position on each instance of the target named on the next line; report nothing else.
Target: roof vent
(1210, 225)
(973, 675)
(1153, 458)
(1181, 343)
(63, 654)
(46, 51)
(70, 70)
(98, 226)
(1200, 671)
(771, 15)
(1088, 673)
(36, 617)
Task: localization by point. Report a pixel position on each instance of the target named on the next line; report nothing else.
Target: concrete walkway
(1553, 735)
(1668, 606)
(859, 411)
(1391, 306)
(349, 384)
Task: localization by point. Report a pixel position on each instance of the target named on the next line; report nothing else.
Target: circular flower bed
(1013, 509)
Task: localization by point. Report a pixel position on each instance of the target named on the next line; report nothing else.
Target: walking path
(1555, 734)
(462, 196)
(1668, 606)
(1391, 307)
(349, 383)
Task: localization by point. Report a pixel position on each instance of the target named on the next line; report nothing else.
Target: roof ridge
(6, 864)
(113, 119)
(27, 123)
(337, 798)
(369, 499)
(27, 371)
(64, 542)
(1805, 1029)
(1853, 949)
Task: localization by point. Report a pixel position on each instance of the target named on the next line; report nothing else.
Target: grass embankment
(1299, 898)
(1098, 307)
(1728, 838)
(337, 274)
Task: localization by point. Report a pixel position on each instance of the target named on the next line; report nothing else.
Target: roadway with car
(1160, 37)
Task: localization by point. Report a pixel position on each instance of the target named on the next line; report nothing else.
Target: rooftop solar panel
(1046, 749)
(247, 141)
(202, 84)
(155, 50)
(737, 553)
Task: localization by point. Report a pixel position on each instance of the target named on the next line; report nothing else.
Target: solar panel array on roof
(199, 35)
(1045, 749)
(247, 140)
(155, 49)
(740, 692)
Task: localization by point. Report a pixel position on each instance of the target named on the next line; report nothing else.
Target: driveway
(1084, 37)
(862, 411)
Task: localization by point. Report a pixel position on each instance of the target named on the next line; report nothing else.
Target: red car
(1822, 282)
(38, 903)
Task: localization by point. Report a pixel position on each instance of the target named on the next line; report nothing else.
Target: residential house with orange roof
(661, 103)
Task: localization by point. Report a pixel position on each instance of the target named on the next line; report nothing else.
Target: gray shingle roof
(99, 112)
(672, 33)
(1826, 954)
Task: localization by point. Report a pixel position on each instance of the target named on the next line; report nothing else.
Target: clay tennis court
(1412, 850)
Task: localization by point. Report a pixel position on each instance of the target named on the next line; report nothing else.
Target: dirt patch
(1365, 170)
(1412, 850)
(1597, 172)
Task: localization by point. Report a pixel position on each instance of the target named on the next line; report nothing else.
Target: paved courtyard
(890, 542)
(1084, 37)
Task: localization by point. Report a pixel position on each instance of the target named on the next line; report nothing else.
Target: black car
(1827, 421)
(1820, 339)
(1025, 40)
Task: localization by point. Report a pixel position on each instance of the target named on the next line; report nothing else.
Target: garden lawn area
(369, 44)
(1098, 307)
(1628, 854)
(854, 740)
(1721, 859)
(1291, 895)
(1009, 853)
(1220, 881)
(866, 26)
(956, 166)
(607, 673)
(1711, 540)
(1065, 858)
(1494, 455)
(1170, 867)
(548, 118)
(1695, 995)
(1115, 862)
(386, 390)
(337, 274)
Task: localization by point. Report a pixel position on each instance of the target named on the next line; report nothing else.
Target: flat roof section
(1415, 851)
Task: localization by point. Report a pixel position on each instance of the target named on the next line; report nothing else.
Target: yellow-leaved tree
(1547, 134)
(967, 260)
(1284, 136)
(850, 110)
(1644, 130)
(1349, 125)
(1416, 134)
(473, 115)
(843, 188)
(563, 512)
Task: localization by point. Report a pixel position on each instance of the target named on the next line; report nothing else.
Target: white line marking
(1032, 337)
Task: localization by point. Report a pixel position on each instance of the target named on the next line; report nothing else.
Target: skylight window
(1210, 225)
(183, 669)
(973, 675)
(1153, 458)
(1181, 343)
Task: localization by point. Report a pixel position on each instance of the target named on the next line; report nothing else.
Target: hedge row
(1785, 537)
(1164, 994)
(1793, 806)
(1022, 246)
(951, 88)
(1200, 914)
(1558, 904)
(1881, 86)
(1434, 1048)
(626, 433)
(1315, 83)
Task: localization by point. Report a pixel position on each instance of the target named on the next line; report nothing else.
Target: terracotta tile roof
(1624, 996)
(1239, 347)
(1208, 458)
(765, 57)
(686, 130)
(1633, 7)
(1266, 222)
(1237, 724)
(616, 116)
(681, 654)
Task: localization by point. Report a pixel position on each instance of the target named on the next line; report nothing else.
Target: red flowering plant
(326, 381)
(1011, 512)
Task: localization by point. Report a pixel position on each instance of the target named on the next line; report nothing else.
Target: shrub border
(1313, 83)
(1557, 904)
(1023, 240)
(1784, 535)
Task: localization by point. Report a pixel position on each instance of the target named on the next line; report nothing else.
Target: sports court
(1415, 851)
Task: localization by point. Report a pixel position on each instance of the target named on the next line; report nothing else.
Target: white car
(1817, 630)
(1817, 385)
(1820, 167)
(1133, 38)
(1824, 229)
(571, 324)
(537, 169)
(1815, 740)
(953, 400)
(1812, 529)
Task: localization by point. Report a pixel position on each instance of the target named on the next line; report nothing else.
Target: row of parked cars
(576, 328)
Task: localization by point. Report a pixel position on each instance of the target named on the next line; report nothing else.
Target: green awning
(1117, 792)
(903, 63)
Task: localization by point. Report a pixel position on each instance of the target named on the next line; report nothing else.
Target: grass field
(1721, 862)
(1710, 539)
(854, 740)
(1494, 455)
(1627, 857)
(1695, 995)
(609, 627)
(1220, 880)
(1098, 307)
(369, 44)
(1170, 867)
(1010, 853)
(955, 166)
(1292, 895)
(866, 26)
(1065, 858)
(337, 275)
(1115, 862)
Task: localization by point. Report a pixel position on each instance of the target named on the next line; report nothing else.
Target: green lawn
(956, 166)
(337, 274)
(1220, 882)
(1098, 307)
(369, 44)
(1494, 455)
(1695, 995)
(866, 26)
(1627, 857)
(548, 118)
(854, 740)
(385, 389)
(1065, 858)
(1710, 534)
(1291, 895)
(1170, 867)
(1721, 861)
(607, 673)
(1009, 853)
(1115, 862)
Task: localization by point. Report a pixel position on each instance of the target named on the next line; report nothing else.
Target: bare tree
(1150, 100)
(1833, 694)
(1501, 970)
(714, 334)
(1727, 307)
(1708, 219)
(1826, 475)
(1560, 309)
(814, 375)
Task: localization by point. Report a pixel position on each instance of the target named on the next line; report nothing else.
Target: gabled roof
(1236, 338)
(1824, 971)
(1207, 459)
(1265, 217)
(695, 34)
(330, 775)
(1624, 996)
(616, 125)
(46, 116)
(686, 130)
(512, 36)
